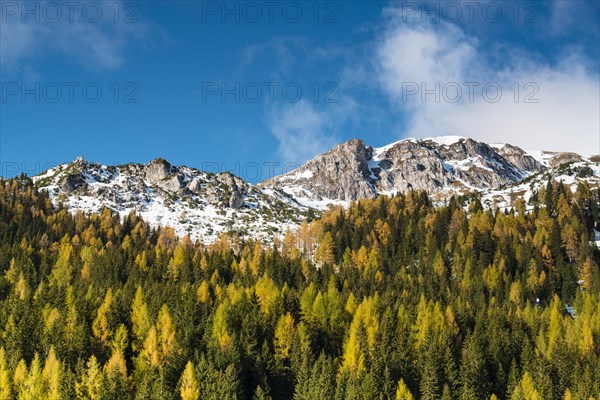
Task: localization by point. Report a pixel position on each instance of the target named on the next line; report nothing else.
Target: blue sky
(258, 87)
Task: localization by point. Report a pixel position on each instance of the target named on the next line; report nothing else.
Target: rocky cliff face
(519, 158)
(342, 173)
(441, 166)
(204, 205)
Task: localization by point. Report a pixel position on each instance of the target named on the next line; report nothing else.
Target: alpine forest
(391, 298)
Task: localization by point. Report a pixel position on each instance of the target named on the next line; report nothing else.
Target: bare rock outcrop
(519, 158)
(446, 165)
(342, 173)
(71, 182)
(562, 158)
(157, 170)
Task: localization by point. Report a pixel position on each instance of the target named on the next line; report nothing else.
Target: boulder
(157, 170)
(236, 200)
(171, 184)
(71, 182)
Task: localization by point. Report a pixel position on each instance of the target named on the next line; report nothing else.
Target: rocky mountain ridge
(199, 204)
(204, 205)
(442, 166)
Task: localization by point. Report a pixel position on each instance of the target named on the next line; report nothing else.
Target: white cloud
(420, 53)
(304, 131)
(101, 44)
(566, 116)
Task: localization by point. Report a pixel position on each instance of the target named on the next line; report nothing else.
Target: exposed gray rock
(211, 195)
(79, 161)
(230, 180)
(410, 165)
(561, 158)
(342, 173)
(236, 200)
(97, 191)
(157, 170)
(194, 186)
(520, 159)
(71, 182)
(354, 171)
(173, 183)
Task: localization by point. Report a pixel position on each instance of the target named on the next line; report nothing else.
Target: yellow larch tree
(166, 333)
(364, 318)
(52, 376)
(403, 393)
(101, 327)
(5, 382)
(203, 293)
(89, 386)
(32, 387)
(284, 336)
(189, 389)
(140, 319)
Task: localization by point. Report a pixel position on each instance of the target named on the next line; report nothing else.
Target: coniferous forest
(392, 298)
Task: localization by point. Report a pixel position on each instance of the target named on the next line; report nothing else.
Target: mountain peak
(356, 142)
(159, 160)
(79, 160)
(441, 165)
(204, 205)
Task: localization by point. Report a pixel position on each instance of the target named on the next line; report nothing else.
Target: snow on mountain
(199, 204)
(445, 140)
(442, 166)
(203, 205)
(571, 174)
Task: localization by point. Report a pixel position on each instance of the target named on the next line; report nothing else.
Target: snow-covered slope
(203, 205)
(570, 174)
(195, 203)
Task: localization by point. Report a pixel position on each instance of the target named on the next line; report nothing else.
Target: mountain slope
(203, 205)
(199, 204)
(442, 166)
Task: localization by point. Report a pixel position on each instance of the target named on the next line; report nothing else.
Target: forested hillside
(391, 299)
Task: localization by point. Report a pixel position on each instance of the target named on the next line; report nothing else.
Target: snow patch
(445, 140)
